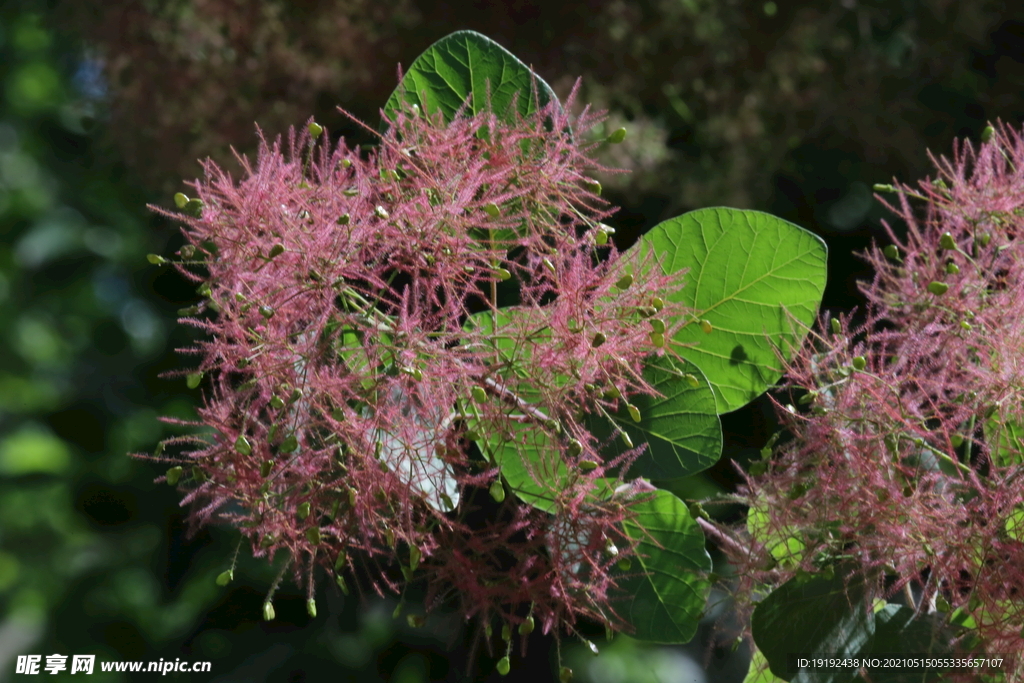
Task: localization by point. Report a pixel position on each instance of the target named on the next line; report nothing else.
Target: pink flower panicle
(907, 461)
(350, 344)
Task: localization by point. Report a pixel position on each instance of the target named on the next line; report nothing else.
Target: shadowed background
(792, 108)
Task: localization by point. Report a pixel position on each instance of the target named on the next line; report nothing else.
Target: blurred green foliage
(793, 108)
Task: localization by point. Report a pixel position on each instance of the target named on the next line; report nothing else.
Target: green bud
(415, 621)
(340, 580)
(859, 363)
(497, 491)
(266, 468)
(343, 219)
(987, 133)
(180, 199)
(598, 339)
(592, 185)
(938, 288)
(414, 557)
(946, 241)
(194, 208)
(634, 412)
(503, 274)
(380, 212)
(657, 339)
(880, 187)
(268, 611)
(290, 444)
(479, 395)
(276, 251)
(303, 510)
(187, 251)
(225, 577)
(492, 210)
(503, 666)
(617, 136)
(626, 440)
(526, 628)
(311, 608)
(625, 281)
(892, 252)
(173, 475)
(706, 326)
(588, 465)
(156, 259)
(315, 131)
(506, 633)
(658, 325)
(267, 312)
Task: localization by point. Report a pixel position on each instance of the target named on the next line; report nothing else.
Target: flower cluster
(366, 392)
(906, 457)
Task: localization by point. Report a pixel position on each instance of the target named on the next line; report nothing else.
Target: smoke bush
(905, 463)
(353, 341)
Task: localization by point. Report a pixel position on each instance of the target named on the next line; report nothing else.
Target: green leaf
(532, 467)
(813, 614)
(460, 66)
(758, 672)
(897, 632)
(755, 278)
(669, 594)
(681, 426)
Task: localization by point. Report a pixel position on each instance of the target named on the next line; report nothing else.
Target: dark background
(794, 108)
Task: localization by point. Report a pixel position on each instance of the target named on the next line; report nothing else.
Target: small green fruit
(657, 340)
(657, 325)
(574, 448)
(506, 633)
(952, 268)
(526, 628)
(600, 238)
(193, 379)
(617, 136)
(503, 666)
(156, 259)
(946, 241)
(497, 491)
(268, 611)
(267, 312)
(625, 281)
(706, 326)
(836, 327)
(987, 133)
(691, 380)
(626, 440)
(588, 465)
(225, 577)
(303, 510)
(180, 199)
(479, 395)
(625, 564)
(658, 303)
(381, 212)
(492, 210)
(315, 131)
(289, 445)
(859, 363)
(266, 468)
(415, 620)
(242, 445)
(173, 475)
(938, 288)
(592, 185)
(892, 252)
(343, 219)
(598, 339)
(340, 580)
(564, 674)
(880, 187)
(634, 412)
(311, 608)
(503, 274)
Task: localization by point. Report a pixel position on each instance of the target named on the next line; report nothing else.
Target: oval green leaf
(462, 65)
(812, 614)
(758, 281)
(669, 593)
